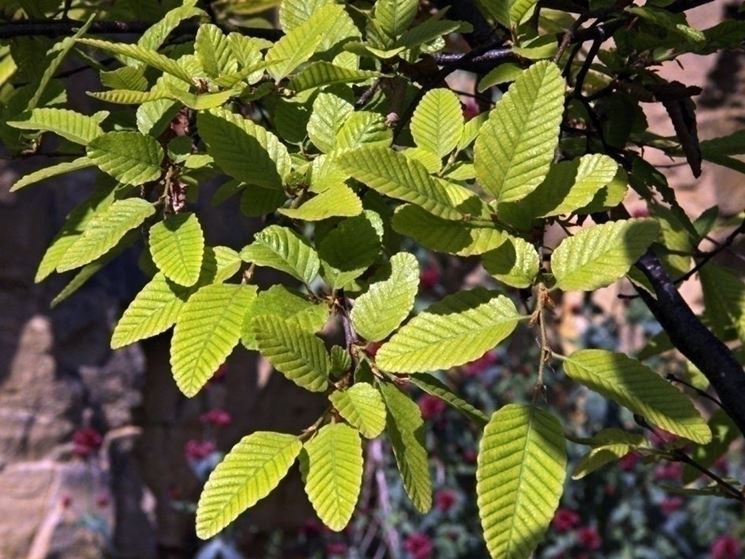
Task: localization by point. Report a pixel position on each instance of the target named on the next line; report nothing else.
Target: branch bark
(694, 340)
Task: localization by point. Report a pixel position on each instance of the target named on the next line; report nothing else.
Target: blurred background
(100, 455)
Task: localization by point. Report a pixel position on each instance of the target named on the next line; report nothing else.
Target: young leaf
(393, 17)
(214, 51)
(600, 255)
(129, 157)
(515, 262)
(387, 303)
(442, 235)
(405, 430)
(104, 231)
(153, 311)
(327, 117)
(332, 467)
(283, 249)
(607, 446)
(249, 472)
(362, 406)
(516, 145)
(519, 478)
(638, 388)
(207, 329)
(51, 171)
(458, 329)
(363, 128)
(432, 385)
(293, 13)
(177, 248)
(297, 354)
(77, 128)
(394, 175)
(438, 122)
(243, 149)
(318, 74)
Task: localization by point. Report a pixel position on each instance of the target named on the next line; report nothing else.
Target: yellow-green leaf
(129, 157)
(437, 123)
(362, 406)
(68, 124)
(177, 248)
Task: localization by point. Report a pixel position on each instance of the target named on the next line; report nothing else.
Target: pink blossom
(670, 471)
(670, 504)
(445, 499)
(86, 441)
(336, 548)
(481, 364)
(198, 450)
(726, 547)
(217, 417)
(565, 519)
(431, 407)
(589, 538)
(418, 545)
(629, 461)
(429, 277)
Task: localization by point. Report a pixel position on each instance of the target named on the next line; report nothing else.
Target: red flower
(564, 520)
(470, 108)
(589, 538)
(418, 545)
(481, 364)
(671, 471)
(670, 504)
(198, 450)
(336, 548)
(85, 442)
(431, 406)
(726, 547)
(445, 499)
(629, 461)
(429, 277)
(218, 418)
(66, 501)
(103, 501)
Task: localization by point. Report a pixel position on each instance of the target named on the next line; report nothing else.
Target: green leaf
(284, 303)
(394, 175)
(393, 17)
(516, 145)
(519, 478)
(332, 468)
(504, 73)
(724, 298)
(301, 42)
(669, 21)
(177, 248)
(454, 331)
(437, 123)
(318, 74)
(104, 231)
(293, 13)
(497, 9)
(515, 262)
(153, 311)
(405, 430)
(147, 56)
(129, 157)
(207, 329)
(598, 256)
(125, 77)
(607, 446)
(350, 248)
(214, 51)
(638, 388)
(520, 9)
(609, 196)
(51, 171)
(250, 471)
(74, 226)
(72, 126)
(154, 37)
(297, 354)
(569, 186)
(243, 149)
(386, 304)
(283, 249)
(362, 406)
(724, 433)
(339, 201)
(363, 128)
(442, 235)
(432, 385)
(129, 97)
(327, 117)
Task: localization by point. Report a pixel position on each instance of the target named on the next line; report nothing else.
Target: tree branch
(694, 340)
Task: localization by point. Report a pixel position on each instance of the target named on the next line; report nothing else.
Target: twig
(582, 74)
(681, 456)
(672, 378)
(721, 246)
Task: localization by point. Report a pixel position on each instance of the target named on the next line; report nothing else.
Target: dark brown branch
(694, 340)
(724, 245)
